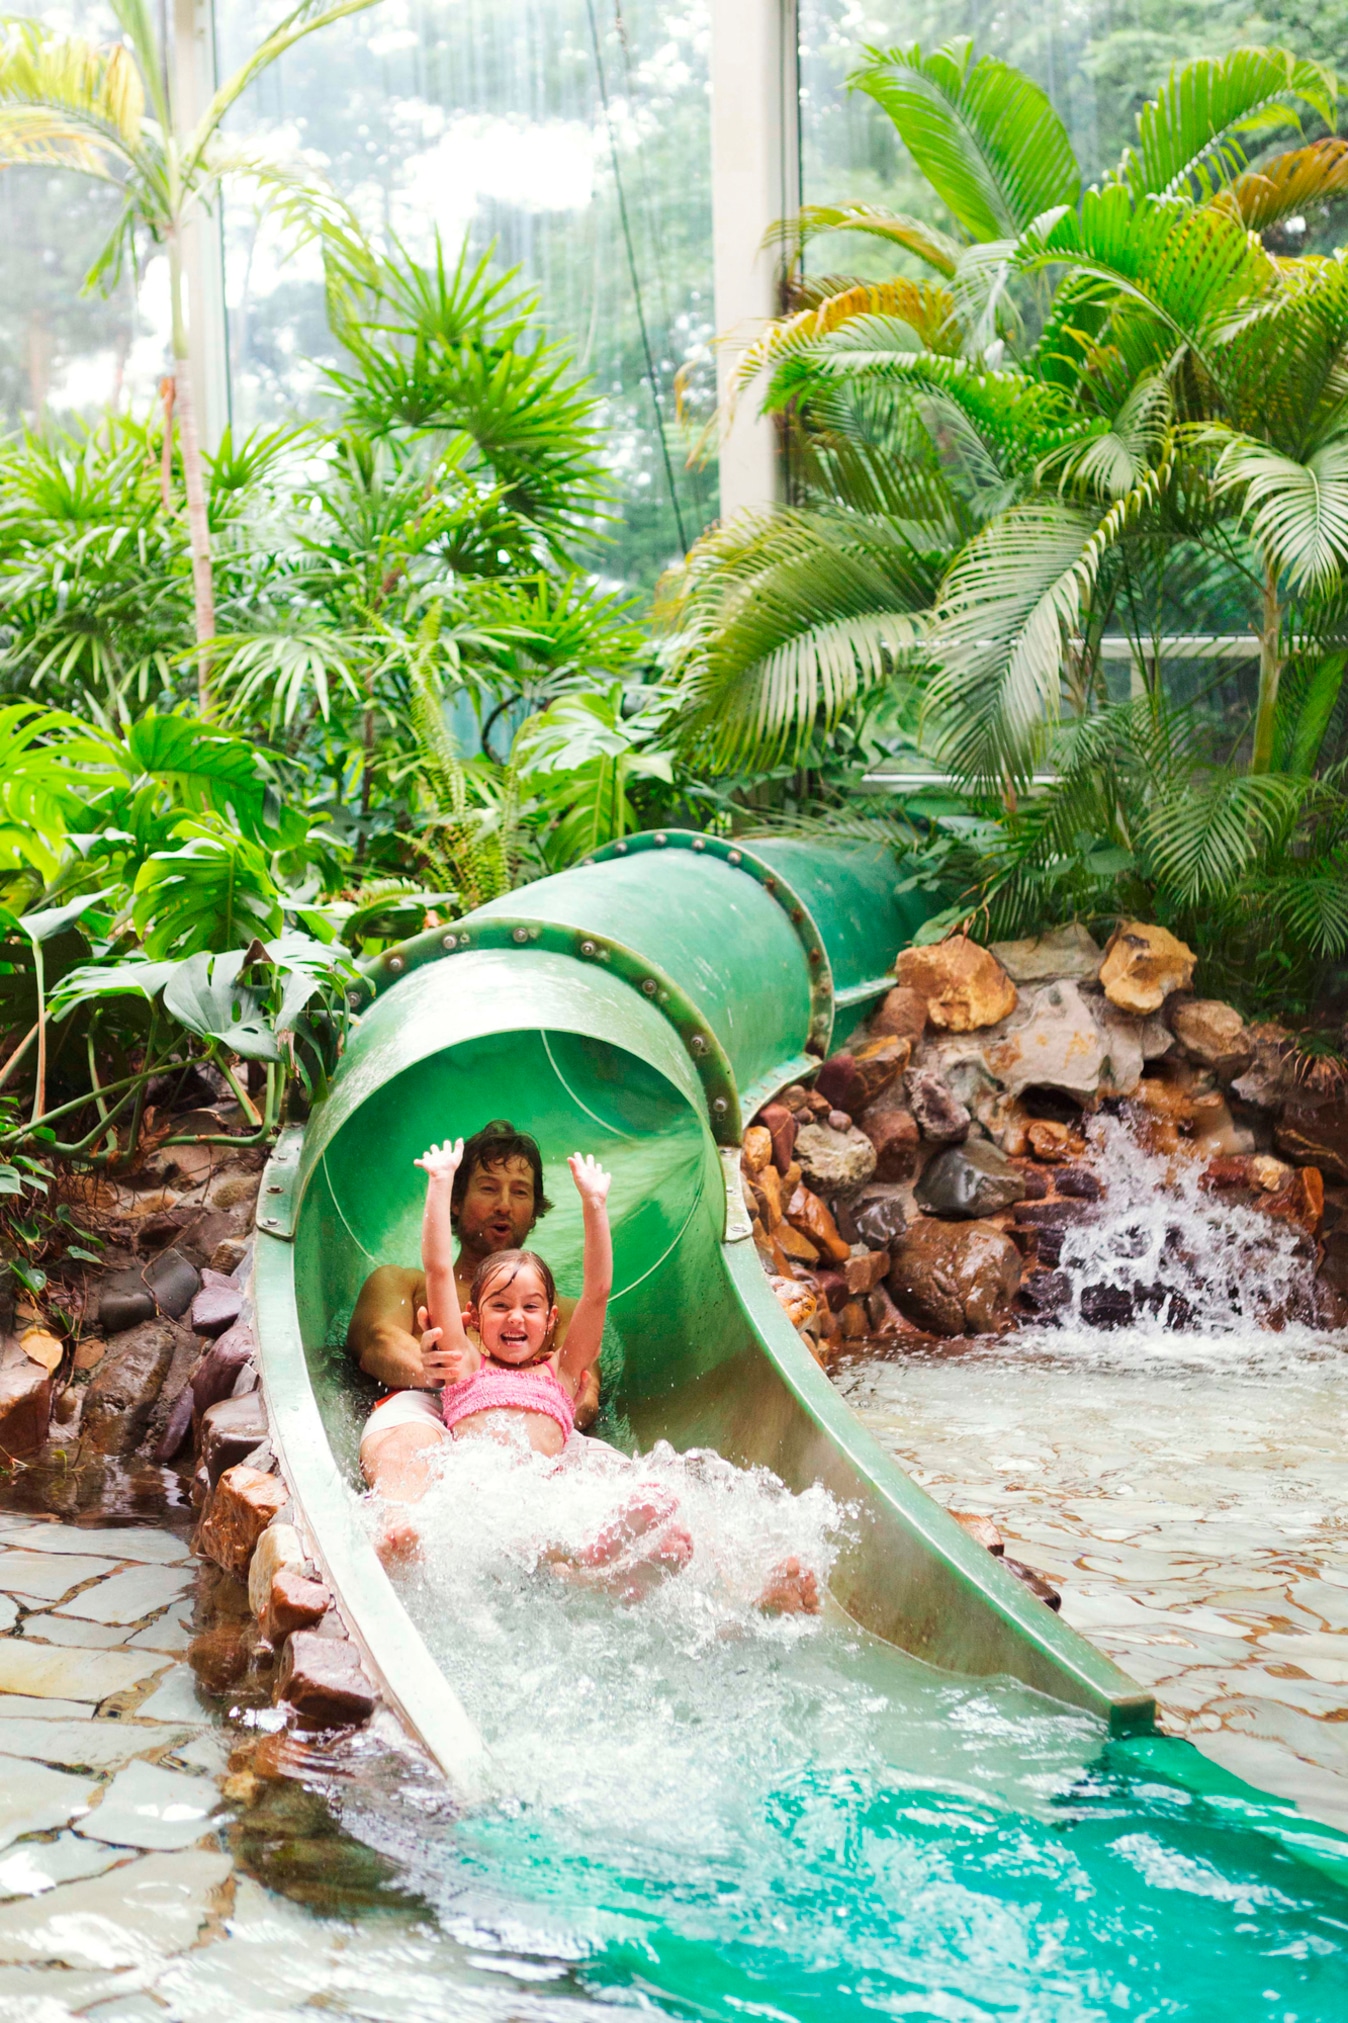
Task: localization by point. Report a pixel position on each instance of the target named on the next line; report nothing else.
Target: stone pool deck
(122, 1890)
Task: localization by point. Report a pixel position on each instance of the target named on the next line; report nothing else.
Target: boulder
(166, 1286)
(1316, 1134)
(1269, 1077)
(969, 1180)
(1143, 965)
(1123, 1061)
(1053, 1142)
(955, 1278)
(807, 1214)
(294, 1602)
(940, 1116)
(781, 1126)
(240, 1507)
(757, 1148)
(965, 986)
(832, 1288)
(873, 1216)
(892, 1129)
(852, 1080)
(123, 1390)
(228, 1255)
(230, 1430)
(833, 1160)
(798, 1302)
(322, 1679)
(1211, 1033)
(1058, 1046)
(791, 1243)
(853, 1322)
(278, 1547)
(25, 1402)
(218, 1371)
(902, 1014)
(218, 1305)
(1043, 958)
(864, 1270)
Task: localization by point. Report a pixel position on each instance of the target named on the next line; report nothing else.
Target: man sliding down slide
(497, 1198)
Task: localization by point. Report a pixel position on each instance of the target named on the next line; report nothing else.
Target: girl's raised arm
(585, 1335)
(440, 1164)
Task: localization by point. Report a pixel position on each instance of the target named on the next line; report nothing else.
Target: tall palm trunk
(194, 479)
(1270, 674)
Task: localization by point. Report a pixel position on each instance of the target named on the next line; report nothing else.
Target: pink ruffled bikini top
(496, 1387)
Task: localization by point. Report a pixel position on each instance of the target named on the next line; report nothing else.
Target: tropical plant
(1092, 387)
(107, 111)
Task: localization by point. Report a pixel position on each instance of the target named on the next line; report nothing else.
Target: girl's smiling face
(513, 1315)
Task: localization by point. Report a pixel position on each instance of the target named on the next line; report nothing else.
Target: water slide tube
(643, 1006)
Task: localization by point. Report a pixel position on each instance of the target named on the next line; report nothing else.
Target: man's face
(498, 1207)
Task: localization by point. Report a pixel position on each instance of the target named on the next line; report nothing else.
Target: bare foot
(399, 1541)
(791, 1590)
(644, 1512)
(647, 1561)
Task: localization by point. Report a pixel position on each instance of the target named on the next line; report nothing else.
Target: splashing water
(1161, 1267)
(704, 1812)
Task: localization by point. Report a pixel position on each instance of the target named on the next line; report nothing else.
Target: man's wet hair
(493, 1145)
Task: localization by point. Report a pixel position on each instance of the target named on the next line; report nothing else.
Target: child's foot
(664, 1556)
(398, 1542)
(791, 1590)
(644, 1512)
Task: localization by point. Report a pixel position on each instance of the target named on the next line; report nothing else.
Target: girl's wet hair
(510, 1262)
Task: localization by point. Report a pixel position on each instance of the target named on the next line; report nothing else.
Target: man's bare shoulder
(390, 1293)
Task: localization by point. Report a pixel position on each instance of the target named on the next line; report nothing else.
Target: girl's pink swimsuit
(496, 1388)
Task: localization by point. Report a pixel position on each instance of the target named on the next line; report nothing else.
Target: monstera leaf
(205, 995)
(215, 892)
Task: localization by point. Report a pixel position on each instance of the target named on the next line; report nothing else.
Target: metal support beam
(193, 86)
(755, 173)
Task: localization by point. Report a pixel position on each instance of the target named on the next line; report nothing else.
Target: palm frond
(1296, 511)
(984, 135)
(895, 227)
(1191, 137)
(922, 308)
(66, 100)
(1290, 183)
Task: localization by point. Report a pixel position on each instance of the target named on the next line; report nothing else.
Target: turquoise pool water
(703, 1813)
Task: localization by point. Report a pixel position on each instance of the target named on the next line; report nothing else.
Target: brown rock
(221, 1655)
(217, 1306)
(768, 1184)
(893, 1132)
(775, 1260)
(902, 1014)
(230, 1430)
(228, 1255)
(1211, 1033)
(983, 1529)
(1269, 1173)
(90, 1353)
(798, 1302)
(1301, 1200)
(853, 1322)
(217, 1373)
(794, 1243)
(832, 1287)
(955, 1278)
(851, 1081)
(965, 986)
(865, 1272)
(883, 1315)
(322, 1679)
(796, 1098)
(1053, 1142)
(941, 1117)
(806, 1213)
(1316, 1134)
(782, 1127)
(1035, 1582)
(121, 1396)
(25, 1403)
(293, 1603)
(757, 1148)
(1143, 965)
(241, 1506)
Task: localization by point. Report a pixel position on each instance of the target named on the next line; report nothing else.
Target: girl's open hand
(440, 1366)
(592, 1182)
(442, 1162)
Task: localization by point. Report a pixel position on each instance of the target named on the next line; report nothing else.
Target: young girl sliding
(517, 1387)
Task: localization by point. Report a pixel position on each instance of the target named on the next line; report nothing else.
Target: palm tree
(1093, 401)
(107, 111)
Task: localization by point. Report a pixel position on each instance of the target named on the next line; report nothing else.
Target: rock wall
(923, 1184)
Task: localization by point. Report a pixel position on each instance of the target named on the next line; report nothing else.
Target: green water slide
(641, 1007)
